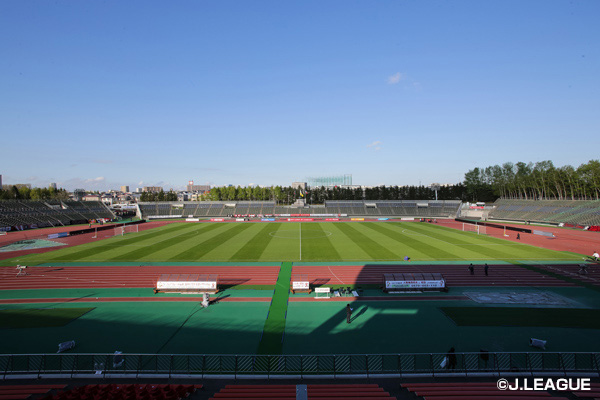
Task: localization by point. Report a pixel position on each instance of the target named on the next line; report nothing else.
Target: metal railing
(339, 365)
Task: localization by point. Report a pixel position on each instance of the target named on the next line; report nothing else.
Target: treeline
(539, 181)
(288, 195)
(160, 196)
(27, 193)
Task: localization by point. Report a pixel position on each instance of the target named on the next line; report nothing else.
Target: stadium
(299, 200)
(254, 290)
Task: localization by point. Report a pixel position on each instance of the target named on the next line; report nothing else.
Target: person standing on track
(471, 269)
(518, 236)
(348, 313)
(596, 256)
(485, 269)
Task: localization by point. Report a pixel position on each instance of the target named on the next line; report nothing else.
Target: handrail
(336, 365)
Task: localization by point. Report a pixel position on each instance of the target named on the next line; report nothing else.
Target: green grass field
(315, 241)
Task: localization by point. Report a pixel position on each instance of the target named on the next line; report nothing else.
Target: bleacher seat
(129, 391)
(315, 392)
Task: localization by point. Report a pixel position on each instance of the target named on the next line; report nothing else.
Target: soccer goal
(479, 229)
(123, 230)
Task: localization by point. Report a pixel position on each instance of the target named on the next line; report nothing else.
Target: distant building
(198, 188)
(139, 190)
(53, 186)
(92, 197)
(299, 185)
(152, 189)
(78, 194)
(0, 182)
(125, 189)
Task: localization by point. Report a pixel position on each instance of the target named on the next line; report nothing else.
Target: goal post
(478, 229)
(123, 230)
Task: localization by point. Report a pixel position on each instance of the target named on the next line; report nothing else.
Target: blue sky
(101, 94)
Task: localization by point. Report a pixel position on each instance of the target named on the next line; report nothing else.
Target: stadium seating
(399, 208)
(16, 392)
(126, 392)
(39, 214)
(577, 212)
(315, 392)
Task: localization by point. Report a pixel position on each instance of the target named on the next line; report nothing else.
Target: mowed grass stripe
(256, 246)
(86, 251)
(204, 234)
(344, 247)
(482, 245)
(519, 250)
(285, 245)
(316, 244)
(454, 239)
(430, 236)
(417, 249)
(235, 244)
(198, 251)
(371, 247)
(153, 247)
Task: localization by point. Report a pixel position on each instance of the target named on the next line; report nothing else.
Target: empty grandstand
(575, 212)
(375, 208)
(25, 214)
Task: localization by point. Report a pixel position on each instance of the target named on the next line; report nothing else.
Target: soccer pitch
(312, 241)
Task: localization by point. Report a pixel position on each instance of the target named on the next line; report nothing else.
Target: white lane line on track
(336, 277)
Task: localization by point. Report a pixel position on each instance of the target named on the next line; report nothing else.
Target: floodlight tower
(436, 187)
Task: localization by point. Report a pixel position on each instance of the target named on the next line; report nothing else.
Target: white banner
(300, 285)
(186, 285)
(323, 290)
(414, 284)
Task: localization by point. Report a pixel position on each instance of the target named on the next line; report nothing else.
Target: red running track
(591, 275)
(129, 276)
(455, 275)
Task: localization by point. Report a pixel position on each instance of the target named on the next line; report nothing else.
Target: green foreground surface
(308, 327)
(40, 317)
(518, 316)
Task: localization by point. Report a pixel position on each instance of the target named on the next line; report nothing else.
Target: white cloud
(376, 145)
(396, 78)
(95, 180)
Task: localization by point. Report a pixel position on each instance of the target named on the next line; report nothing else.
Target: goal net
(123, 230)
(478, 229)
